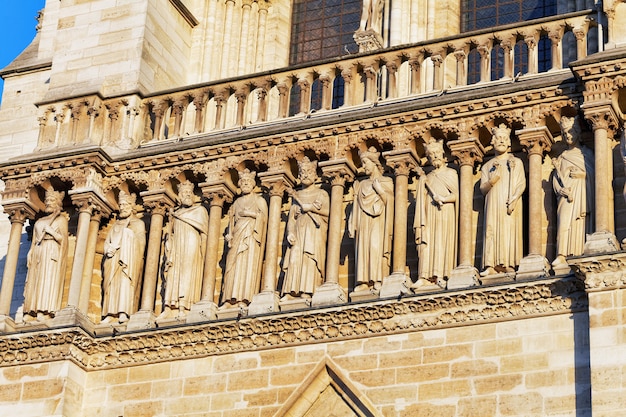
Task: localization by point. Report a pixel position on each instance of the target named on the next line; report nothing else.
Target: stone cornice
(324, 133)
(384, 317)
(602, 272)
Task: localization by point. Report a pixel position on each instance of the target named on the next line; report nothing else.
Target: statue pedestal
(368, 294)
(562, 269)
(110, 329)
(423, 286)
(263, 303)
(498, 278)
(295, 304)
(601, 242)
(229, 311)
(368, 40)
(329, 294)
(463, 276)
(7, 325)
(142, 320)
(532, 266)
(202, 311)
(395, 285)
(71, 316)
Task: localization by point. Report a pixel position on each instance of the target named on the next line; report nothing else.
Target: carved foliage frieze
(382, 318)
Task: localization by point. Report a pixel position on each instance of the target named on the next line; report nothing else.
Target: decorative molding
(185, 13)
(599, 273)
(384, 317)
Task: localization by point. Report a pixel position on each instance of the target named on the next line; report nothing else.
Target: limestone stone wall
(534, 366)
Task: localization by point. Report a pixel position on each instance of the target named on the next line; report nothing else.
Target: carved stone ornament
(601, 272)
(382, 318)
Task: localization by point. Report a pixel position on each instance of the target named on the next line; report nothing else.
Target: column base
(232, 311)
(71, 316)
(142, 320)
(367, 294)
(264, 303)
(110, 329)
(7, 325)
(424, 285)
(203, 310)
(395, 285)
(295, 304)
(329, 294)
(463, 276)
(532, 266)
(601, 242)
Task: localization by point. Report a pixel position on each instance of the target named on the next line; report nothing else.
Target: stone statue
(246, 243)
(46, 261)
(371, 223)
(307, 229)
(122, 264)
(185, 247)
(436, 218)
(573, 183)
(502, 183)
(371, 15)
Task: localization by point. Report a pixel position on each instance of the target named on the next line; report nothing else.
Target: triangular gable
(327, 392)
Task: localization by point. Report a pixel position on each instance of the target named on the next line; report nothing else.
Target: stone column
(228, 27)
(507, 47)
(267, 300)
(533, 58)
(392, 79)
(536, 141)
(199, 104)
(327, 91)
(86, 201)
(557, 56)
(338, 172)
(398, 282)
(220, 101)
(241, 96)
(437, 72)
(416, 74)
(468, 152)
(90, 255)
(18, 213)
(158, 202)
(346, 74)
(461, 74)
(485, 62)
(262, 29)
(206, 308)
(262, 97)
(283, 99)
(243, 38)
(602, 118)
(371, 92)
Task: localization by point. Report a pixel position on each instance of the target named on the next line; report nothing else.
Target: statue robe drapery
(574, 218)
(46, 265)
(436, 226)
(185, 250)
(121, 280)
(371, 223)
(242, 275)
(503, 233)
(305, 260)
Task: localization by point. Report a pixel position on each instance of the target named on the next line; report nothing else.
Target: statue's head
(307, 171)
(185, 193)
(434, 152)
(501, 138)
(126, 203)
(570, 130)
(247, 181)
(370, 159)
(53, 200)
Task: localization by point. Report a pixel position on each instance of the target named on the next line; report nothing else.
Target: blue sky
(17, 29)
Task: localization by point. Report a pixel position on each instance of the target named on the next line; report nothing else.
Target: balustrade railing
(509, 52)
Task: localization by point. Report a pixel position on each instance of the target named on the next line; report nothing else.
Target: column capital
(467, 151)
(536, 140)
(90, 201)
(601, 116)
(18, 211)
(217, 193)
(158, 201)
(276, 181)
(337, 171)
(402, 161)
